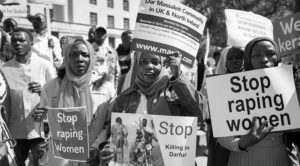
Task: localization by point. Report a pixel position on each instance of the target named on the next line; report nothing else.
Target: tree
(214, 11)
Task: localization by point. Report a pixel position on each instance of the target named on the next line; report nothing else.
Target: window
(111, 21)
(126, 23)
(94, 2)
(51, 14)
(93, 18)
(126, 5)
(110, 3)
(111, 42)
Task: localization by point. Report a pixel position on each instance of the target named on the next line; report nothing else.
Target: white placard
(269, 94)
(244, 26)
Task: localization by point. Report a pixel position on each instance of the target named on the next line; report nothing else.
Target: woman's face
(234, 62)
(263, 55)
(150, 66)
(79, 59)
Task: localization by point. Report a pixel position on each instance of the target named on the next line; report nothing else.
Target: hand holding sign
(39, 114)
(94, 158)
(256, 134)
(173, 61)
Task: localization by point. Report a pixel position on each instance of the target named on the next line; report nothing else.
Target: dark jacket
(180, 95)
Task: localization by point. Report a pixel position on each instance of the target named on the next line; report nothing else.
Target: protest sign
(52, 2)
(163, 27)
(69, 131)
(14, 10)
(141, 139)
(267, 93)
(244, 26)
(286, 34)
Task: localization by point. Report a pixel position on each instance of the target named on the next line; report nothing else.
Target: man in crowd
(124, 50)
(25, 74)
(46, 45)
(91, 35)
(106, 56)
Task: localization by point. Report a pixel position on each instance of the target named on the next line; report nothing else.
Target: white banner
(14, 10)
(267, 93)
(50, 2)
(163, 27)
(141, 139)
(244, 26)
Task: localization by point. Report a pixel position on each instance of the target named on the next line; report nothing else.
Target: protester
(124, 51)
(259, 147)
(7, 155)
(25, 74)
(91, 35)
(155, 91)
(73, 88)
(106, 55)
(9, 25)
(46, 45)
(231, 61)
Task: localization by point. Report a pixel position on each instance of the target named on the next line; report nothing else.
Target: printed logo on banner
(286, 34)
(269, 94)
(69, 131)
(140, 139)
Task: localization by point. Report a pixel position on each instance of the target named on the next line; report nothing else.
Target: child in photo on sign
(75, 87)
(259, 147)
(231, 61)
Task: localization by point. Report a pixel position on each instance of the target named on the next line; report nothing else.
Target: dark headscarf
(248, 51)
(149, 89)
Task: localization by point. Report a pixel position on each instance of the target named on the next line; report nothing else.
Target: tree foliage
(214, 11)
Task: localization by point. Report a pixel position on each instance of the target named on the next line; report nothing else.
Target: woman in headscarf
(155, 91)
(231, 61)
(259, 147)
(73, 88)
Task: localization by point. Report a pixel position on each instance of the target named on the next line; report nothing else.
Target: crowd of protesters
(39, 72)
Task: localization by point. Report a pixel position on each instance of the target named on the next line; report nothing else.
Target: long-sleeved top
(271, 151)
(99, 123)
(40, 45)
(24, 102)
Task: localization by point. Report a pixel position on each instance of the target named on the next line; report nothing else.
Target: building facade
(75, 17)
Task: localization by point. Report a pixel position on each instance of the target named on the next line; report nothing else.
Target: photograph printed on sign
(134, 141)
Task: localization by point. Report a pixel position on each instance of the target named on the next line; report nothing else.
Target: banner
(69, 131)
(14, 10)
(244, 26)
(140, 139)
(286, 34)
(163, 27)
(267, 93)
(50, 2)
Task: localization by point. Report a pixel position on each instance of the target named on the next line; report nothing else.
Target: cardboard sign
(244, 26)
(140, 139)
(14, 10)
(69, 131)
(267, 93)
(163, 27)
(286, 34)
